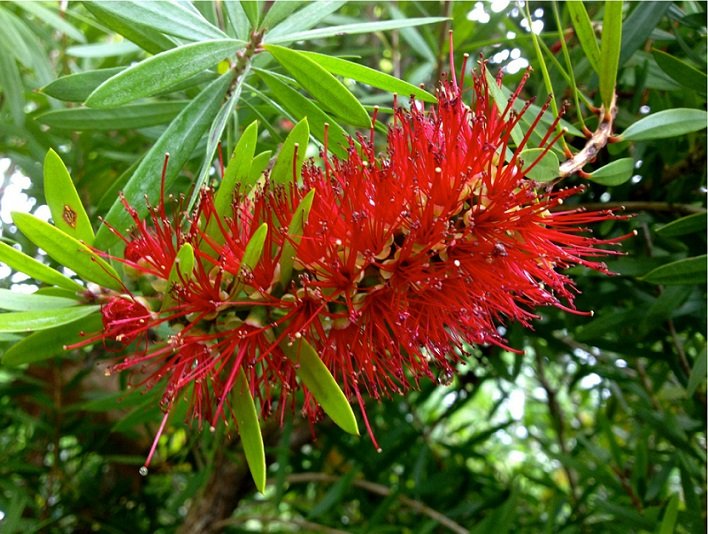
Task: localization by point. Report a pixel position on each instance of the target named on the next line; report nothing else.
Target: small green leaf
(254, 248)
(52, 19)
(237, 19)
(698, 373)
(668, 523)
(287, 256)
(686, 271)
(329, 91)
(64, 203)
(16, 301)
(286, 164)
(303, 19)
(77, 87)
(301, 107)
(639, 25)
(160, 72)
(667, 123)
(615, 173)
(545, 170)
(67, 251)
(685, 225)
(317, 378)
(25, 264)
(252, 8)
(610, 50)
(179, 139)
(180, 272)
(250, 430)
(260, 162)
(130, 116)
(349, 29)
(172, 18)
(681, 72)
(367, 75)
(45, 344)
(584, 32)
(29, 321)
(280, 10)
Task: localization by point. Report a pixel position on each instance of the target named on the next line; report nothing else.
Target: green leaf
(28, 321)
(317, 378)
(286, 164)
(144, 36)
(667, 123)
(295, 229)
(250, 430)
(102, 50)
(329, 91)
(610, 50)
(23, 263)
(160, 72)
(686, 271)
(668, 523)
(180, 272)
(545, 170)
(639, 25)
(179, 139)
(304, 19)
(698, 373)
(12, 88)
(252, 9)
(584, 32)
(412, 36)
(685, 225)
(367, 75)
(77, 87)
(172, 18)
(45, 344)
(67, 251)
(280, 10)
(52, 19)
(349, 29)
(615, 173)
(260, 162)
(254, 248)
(16, 301)
(11, 40)
(67, 210)
(301, 107)
(681, 72)
(236, 172)
(130, 116)
(237, 19)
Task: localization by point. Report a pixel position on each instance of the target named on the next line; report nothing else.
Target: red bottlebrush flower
(124, 319)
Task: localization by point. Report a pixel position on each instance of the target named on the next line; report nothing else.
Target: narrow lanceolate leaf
(29, 321)
(301, 107)
(168, 17)
(11, 40)
(280, 10)
(130, 116)
(52, 19)
(287, 256)
(329, 91)
(688, 271)
(180, 272)
(249, 430)
(615, 173)
(317, 378)
(258, 167)
(161, 72)
(179, 139)
(67, 210)
(681, 71)
(297, 139)
(667, 123)
(685, 225)
(639, 25)
(303, 19)
(16, 301)
(45, 344)
(610, 50)
(23, 263)
(254, 248)
(543, 170)
(350, 29)
(367, 75)
(585, 33)
(77, 87)
(67, 250)
(698, 373)
(12, 87)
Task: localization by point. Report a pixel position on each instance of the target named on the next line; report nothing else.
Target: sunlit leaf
(295, 229)
(29, 321)
(287, 164)
(16, 301)
(130, 116)
(23, 263)
(303, 19)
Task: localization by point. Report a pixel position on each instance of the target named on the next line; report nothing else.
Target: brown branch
(383, 491)
(597, 141)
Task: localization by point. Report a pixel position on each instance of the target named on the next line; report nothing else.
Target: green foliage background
(598, 427)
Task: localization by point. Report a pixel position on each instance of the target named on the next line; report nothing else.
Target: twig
(383, 491)
(597, 141)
